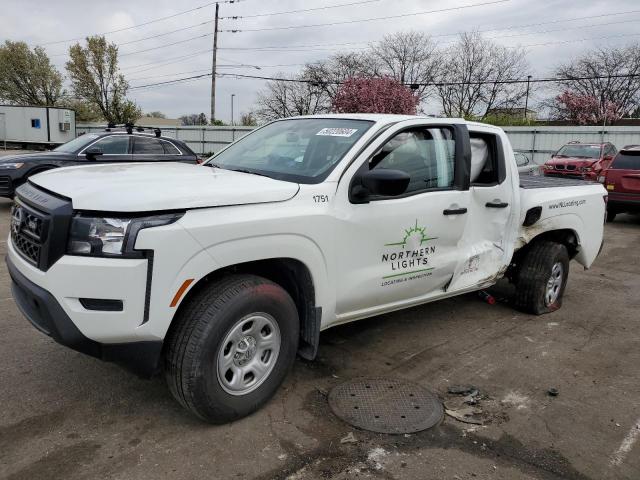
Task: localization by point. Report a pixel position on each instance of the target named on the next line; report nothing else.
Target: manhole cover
(385, 406)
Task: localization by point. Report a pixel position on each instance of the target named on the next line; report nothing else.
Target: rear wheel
(232, 347)
(542, 278)
(611, 215)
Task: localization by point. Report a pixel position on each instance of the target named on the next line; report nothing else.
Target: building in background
(158, 122)
(36, 126)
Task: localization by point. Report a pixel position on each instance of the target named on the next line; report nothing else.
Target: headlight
(10, 166)
(111, 236)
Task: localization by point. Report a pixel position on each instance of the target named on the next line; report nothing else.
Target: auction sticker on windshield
(337, 132)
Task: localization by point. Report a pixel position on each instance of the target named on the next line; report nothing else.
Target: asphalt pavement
(65, 415)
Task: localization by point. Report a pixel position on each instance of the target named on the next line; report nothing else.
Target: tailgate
(624, 174)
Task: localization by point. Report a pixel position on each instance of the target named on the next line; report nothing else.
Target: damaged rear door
(487, 245)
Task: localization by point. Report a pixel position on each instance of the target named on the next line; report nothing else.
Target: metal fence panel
(537, 142)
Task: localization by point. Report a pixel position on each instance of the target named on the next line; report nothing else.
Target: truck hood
(578, 162)
(135, 187)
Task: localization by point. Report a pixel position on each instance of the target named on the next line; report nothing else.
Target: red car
(580, 160)
(622, 180)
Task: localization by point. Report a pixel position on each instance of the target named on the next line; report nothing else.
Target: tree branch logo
(409, 259)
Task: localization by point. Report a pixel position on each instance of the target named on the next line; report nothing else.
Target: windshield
(303, 150)
(76, 144)
(579, 151)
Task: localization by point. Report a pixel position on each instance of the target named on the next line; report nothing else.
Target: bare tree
(194, 119)
(328, 74)
(287, 98)
(476, 77)
(410, 58)
(621, 91)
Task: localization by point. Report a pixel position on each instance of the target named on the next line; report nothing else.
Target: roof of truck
(379, 117)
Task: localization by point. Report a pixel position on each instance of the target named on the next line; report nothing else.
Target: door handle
(496, 204)
(454, 211)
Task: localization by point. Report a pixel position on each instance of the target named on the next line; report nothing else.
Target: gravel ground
(65, 415)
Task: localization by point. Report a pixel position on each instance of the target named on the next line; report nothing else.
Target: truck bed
(532, 181)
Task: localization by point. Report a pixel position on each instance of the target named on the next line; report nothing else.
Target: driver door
(401, 250)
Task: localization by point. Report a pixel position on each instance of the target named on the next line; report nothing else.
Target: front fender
(232, 252)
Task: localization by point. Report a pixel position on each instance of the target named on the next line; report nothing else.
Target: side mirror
(93, 152)
(383, 182)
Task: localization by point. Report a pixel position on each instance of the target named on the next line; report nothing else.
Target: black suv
(104, 147)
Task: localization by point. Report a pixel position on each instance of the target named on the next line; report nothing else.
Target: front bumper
(47, 315)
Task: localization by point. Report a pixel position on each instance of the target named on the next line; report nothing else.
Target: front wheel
(231, 347)
(542, 278)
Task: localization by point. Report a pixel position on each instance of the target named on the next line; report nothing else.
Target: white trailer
(29, 125)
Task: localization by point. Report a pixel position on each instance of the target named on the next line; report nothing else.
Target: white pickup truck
(217, 275)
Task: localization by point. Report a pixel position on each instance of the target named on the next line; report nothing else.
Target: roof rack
(130, 126)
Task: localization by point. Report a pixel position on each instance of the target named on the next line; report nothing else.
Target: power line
(143, 24)
(345, 22)
(164, 62)
(513, 27)
(577, 40)
(166, 45)
(163, 34)
(236, 17)
(421, 84)
(288, 47)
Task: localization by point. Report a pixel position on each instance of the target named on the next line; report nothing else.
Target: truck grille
(27, 232)
(5, 185)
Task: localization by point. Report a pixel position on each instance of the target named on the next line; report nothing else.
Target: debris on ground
(375, 456)
(464, 408)
(487, 297)
(466, 415)
(553, 392)
(350, 438)
(461, 389)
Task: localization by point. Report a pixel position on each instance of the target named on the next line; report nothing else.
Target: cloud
(36, 22)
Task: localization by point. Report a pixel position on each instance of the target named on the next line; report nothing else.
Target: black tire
(534, 274)
(611, 215)
(194, 342)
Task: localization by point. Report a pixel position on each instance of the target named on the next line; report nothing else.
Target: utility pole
(232, 96)
(526, 101)
(213, 66)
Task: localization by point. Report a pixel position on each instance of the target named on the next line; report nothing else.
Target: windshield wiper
(251, 172)
(212, 165)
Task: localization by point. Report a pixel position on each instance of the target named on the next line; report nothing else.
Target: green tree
(96, 79)
(27, 76)
(85, 112)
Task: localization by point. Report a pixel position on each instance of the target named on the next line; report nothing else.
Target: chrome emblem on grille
(16, 219)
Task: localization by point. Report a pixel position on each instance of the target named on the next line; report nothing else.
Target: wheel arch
(564, 236)
(293, 276)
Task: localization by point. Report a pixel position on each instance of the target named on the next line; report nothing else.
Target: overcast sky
(39, 22)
